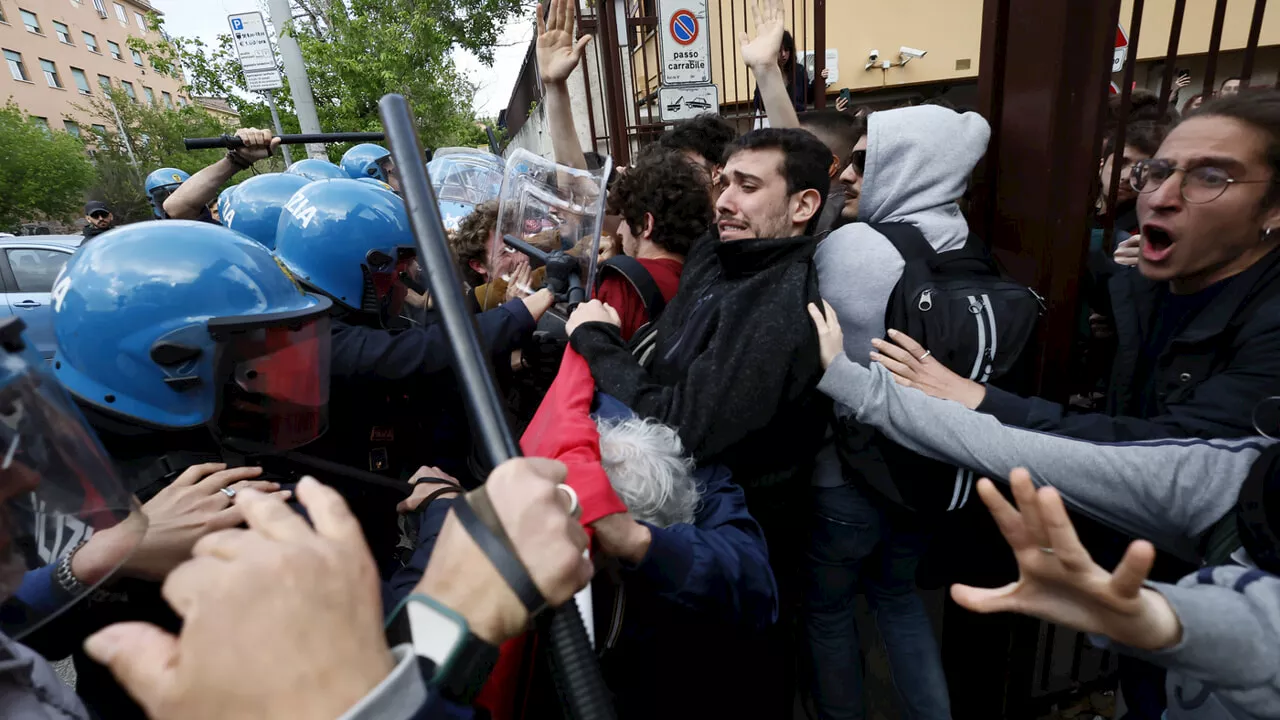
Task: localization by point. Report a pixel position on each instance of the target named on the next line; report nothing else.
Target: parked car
(28, 267)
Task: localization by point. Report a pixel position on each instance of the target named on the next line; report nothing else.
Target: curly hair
(471, 241)
(707, 134)
(664, 183)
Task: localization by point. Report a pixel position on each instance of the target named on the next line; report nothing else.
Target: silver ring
(926, 354)
(229, 492)
(1047, 550)
(574, 509)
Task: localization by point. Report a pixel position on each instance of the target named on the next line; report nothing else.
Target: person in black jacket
(98, 219)
(735, 368)
(1198, 323)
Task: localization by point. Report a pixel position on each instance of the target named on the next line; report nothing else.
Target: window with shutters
(31, 21)
(17, 68)
(82, 81)
(90, 42)
(64, 32)
(50, 73)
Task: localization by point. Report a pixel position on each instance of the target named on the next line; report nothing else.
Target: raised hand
(770, 22)
(1057, 579)
(558, 54)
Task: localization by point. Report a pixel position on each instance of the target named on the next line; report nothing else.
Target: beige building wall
(57, 105)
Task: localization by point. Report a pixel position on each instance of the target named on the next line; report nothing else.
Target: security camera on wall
(873, 56)
(908, 52)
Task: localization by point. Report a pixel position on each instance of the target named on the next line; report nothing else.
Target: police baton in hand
(231, 141)
(574, 664)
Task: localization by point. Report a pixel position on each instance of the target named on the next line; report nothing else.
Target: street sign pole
(275, 119)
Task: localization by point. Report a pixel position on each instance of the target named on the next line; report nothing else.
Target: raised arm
(761, 56)
(558, 57)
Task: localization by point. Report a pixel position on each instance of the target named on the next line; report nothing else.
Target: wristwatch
(451, 658)
(67, 579)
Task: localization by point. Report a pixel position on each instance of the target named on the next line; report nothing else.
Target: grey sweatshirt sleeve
(857, 271)
(1168, 491)
(400, 695)
(1230, 642)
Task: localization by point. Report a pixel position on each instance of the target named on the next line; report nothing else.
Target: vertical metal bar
(586, 79)
(275, 121)
(1046, 665)
(1171, 55)
(1077, 655)
(1122, 120)
(991, 81)
(613, 74)
(644, 58)
(1251, 47)
(1215, 42)
(604, 85)
(733, 43)
(820, 52)
(724, 69)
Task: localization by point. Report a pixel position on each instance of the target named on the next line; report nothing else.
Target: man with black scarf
(736, 362)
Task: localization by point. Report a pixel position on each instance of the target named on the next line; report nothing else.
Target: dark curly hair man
(665, 207)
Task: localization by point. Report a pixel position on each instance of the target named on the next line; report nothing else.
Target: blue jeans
(855, 543)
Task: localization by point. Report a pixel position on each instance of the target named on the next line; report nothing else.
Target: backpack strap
(906, 239)
(641, 281)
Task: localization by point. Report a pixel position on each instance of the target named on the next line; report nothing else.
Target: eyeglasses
(99, 215)
(1200, 185)
(858, 159)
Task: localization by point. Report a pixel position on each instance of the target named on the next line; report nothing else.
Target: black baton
(231, 141)
(573, 662)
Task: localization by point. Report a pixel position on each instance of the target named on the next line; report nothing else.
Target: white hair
(648, 468)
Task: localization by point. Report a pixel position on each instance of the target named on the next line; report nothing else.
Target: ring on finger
(575, 510)
(228, 491)
(1047, 550)
(926, 354)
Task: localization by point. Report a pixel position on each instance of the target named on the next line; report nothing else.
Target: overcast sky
(206, 19)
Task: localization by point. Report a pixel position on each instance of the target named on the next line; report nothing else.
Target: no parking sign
(684, 43)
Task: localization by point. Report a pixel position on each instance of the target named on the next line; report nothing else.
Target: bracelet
(67, 580)
(234, 158)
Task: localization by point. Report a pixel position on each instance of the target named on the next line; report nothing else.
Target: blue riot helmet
(254, 209)
(182, 324)
(349, 240)
(464, 178)
(58, 490)
(377, 183)
(160, 184)
(219, 208)
(314, 169)
(367, 160)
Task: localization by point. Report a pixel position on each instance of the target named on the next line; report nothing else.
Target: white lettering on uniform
(59, 292)
(301, 209)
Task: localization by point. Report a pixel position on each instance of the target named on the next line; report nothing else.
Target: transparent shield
(58, 494)
(550, 218)
(463, 178)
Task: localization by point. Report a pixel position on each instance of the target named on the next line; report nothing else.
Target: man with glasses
(98, 219)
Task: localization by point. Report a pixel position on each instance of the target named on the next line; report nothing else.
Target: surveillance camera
(874, 55)
(911, 52)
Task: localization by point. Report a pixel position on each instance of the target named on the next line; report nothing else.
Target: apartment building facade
(59, 54)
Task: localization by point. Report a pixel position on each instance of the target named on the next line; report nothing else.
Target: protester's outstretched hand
(1058, 580)
(192, 506)
(547, 540)
(770, 22)
(558, 54)
(914, 367)
(592, 311)
(280, 620)
(830, 337)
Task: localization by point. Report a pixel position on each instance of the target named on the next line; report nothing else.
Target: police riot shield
(464, 178)
(67, 523)
(547, 231)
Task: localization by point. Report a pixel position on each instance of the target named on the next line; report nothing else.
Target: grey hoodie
(1227, 665)
(918, 164)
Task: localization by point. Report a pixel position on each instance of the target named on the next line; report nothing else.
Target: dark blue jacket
(1208, 380)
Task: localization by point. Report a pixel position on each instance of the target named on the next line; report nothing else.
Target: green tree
(44, 174)
(356, 51)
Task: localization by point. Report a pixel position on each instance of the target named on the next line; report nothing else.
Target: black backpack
(960, 307)
(643, 341)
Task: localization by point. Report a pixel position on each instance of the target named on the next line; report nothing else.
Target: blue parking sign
(237, 24)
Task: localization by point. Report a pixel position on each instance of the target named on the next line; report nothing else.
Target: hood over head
(919, 160)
